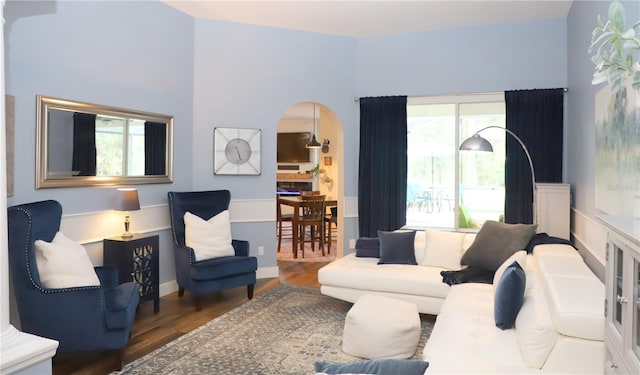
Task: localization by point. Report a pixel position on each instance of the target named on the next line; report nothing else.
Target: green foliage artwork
(617, 169)
(615, 50)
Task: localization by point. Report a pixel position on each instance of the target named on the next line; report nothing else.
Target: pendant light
(314, 142)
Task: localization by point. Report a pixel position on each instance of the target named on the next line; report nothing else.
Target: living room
(206, 73)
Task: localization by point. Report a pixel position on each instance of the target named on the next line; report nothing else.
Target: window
(447, 188)
(114, 156)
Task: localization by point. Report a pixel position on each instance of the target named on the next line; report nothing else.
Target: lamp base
(126, 235)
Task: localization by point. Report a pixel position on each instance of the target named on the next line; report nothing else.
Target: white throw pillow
(443, 249)
(63, 263)
(519, 256)
(208, 238)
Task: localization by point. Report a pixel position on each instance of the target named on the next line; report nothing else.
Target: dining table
(295, 202)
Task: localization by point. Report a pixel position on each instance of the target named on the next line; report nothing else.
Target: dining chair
(308, 193)
(280, 220)
(312, 216)
(330, 219)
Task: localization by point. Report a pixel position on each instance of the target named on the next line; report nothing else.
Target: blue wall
(137, 56)
(465, 60)
(148, 56)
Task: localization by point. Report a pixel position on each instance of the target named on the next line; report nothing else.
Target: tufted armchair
(85, 318)
(210, 275)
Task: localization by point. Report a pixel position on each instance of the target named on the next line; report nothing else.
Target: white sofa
(559, 329)
(351, 277)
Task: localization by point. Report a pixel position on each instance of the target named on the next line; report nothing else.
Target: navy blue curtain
(84, 144)
(155, 148)
(536, 117)
(382, 175)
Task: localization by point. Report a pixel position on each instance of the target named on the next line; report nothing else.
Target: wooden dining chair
(330, 219)
(280, 220)
(308, 193)
(312, 216)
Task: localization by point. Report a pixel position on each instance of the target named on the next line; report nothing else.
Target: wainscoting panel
(591, 239)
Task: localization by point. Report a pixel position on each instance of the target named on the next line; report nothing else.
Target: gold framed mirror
(83, 144)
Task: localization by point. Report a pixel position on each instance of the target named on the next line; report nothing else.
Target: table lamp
(127, 200)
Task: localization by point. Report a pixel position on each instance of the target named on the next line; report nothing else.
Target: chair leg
(279, 234)
(329, 237)
(321, 228)
(301, 239)
(250, 291)
(198, 302)
(118, 358)
(180, 291)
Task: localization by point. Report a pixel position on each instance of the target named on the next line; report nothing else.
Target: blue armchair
(210, 275)
(88, 318)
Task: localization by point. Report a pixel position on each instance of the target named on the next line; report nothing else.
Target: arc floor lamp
(477, 143)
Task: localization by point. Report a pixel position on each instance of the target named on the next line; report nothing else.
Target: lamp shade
(127, 200)
(313, 143)
(476, 143)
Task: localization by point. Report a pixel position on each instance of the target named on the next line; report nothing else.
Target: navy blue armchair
(87, 318)
(209, 275)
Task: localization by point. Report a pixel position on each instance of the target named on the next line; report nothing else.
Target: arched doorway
(321, 170)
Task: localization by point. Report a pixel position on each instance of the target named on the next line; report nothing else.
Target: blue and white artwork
(617, 173)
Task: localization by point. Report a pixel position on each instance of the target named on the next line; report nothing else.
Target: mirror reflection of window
(77, 142)
(114, 155)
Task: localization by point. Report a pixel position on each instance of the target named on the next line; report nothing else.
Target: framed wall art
(236, 151)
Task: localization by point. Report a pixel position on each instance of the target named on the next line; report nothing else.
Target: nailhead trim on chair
(175, 236)
(26, 256)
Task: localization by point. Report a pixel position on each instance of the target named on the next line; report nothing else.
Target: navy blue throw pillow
(374, 366)
(509, 296)
(397, 247)
(368, 247)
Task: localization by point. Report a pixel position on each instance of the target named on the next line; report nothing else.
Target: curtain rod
(565, 89)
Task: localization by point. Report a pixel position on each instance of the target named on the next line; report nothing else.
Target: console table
(137, 260)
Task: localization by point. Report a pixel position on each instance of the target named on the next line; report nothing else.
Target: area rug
(283, 331)
(286, 253)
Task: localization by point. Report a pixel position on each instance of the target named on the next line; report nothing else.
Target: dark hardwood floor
(178, 316)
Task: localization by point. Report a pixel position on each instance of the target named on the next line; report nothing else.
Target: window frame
(457, 100)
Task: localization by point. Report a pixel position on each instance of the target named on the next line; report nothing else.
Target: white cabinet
(622, 303)
(553, 209)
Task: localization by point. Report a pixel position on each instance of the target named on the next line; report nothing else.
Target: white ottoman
(380, 327)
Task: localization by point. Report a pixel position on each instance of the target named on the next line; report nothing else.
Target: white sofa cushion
(367, 274)
(419, 244)
(443, 249)
(535, 332)
(465, 330)
(577, 306)
(565, 278)
(467, 241)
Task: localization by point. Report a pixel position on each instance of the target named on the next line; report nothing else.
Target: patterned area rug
(283, 331)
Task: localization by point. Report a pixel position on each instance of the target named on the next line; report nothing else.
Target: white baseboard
(262, 273)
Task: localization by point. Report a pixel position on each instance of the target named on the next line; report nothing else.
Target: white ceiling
(359, 18)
